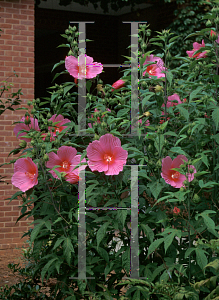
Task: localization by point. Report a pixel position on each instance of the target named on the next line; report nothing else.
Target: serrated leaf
(68, 249)
(195, 93)
(148, 232)
(168, 240)
(36, 230)
(155, 188)
(154, 246)
(122, 214)
(46, 267)
(201, 258)
(215, 117)
(101, 232)
(184, 112)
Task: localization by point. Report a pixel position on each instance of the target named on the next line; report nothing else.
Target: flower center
(151, 69)
(30, 175)
(65, 164)
(175, 175)
(107, 157)
(82, 70)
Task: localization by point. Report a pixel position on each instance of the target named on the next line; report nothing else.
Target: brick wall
(16, 54)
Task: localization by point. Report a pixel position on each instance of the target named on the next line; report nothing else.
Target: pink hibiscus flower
(197, 46)
(59, 126)
(214, 33)
(172, 177)
(22, 126)
(118, 84)
(155, 69)
(98, 118)
(83, 66)
(25, 174)
(170, 101)
(67, 159)
(106, 155)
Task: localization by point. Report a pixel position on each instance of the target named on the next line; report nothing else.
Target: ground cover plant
(175, 147)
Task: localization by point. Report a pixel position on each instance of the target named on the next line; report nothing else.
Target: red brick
(5, 25)
(19, 229)
(12, 21)
(6, 229)
(19, 6)
(21, 17)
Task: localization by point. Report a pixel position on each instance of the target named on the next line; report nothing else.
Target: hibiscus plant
(81, 186)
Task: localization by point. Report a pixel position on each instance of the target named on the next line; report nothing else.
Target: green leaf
(195, 93)
(46, 267)
(155, 188)
(67, 88)
(168, 240)
(101, 232)
(216, 79)
(154, 246)
(172, 133)
(58, 64)
(68, 249)
(88, 85)
(121, 215)
(36, 230)
(208, 221)
(148, 232)
(123, 112)
(169, 77)
(178, 150)
(126, 260)
(201, 258)
(215, 117)
(58, 242)
(189, 251)
(184, 112)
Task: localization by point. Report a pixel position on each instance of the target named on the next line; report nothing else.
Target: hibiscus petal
(66, 153)
(115, 166)
(100, 166)
(25, 165)
(71, 65)
(178, 161)
(108, 142)
(120, 154)
(54, 160)
(166, 165)
(22, 181)
(95, 151)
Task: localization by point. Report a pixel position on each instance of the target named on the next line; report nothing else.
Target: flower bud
(45, 157)
(27, 121)
(185, 182)
(196, 198)
(74, 28)
(22, 144)
(158, 88)
(208, 23)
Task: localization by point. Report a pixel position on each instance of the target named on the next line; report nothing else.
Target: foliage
(177, 227)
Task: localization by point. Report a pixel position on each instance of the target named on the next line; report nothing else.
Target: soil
(7, 257)
(7, 277)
